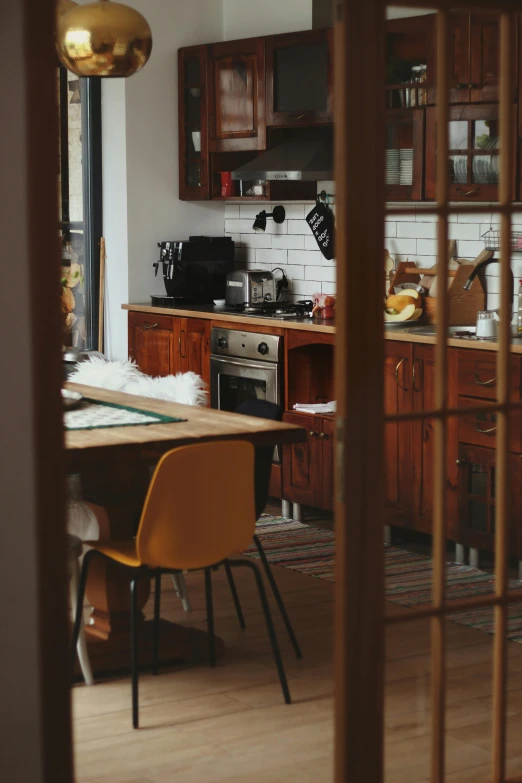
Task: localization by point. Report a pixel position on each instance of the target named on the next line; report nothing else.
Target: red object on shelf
(227, 184)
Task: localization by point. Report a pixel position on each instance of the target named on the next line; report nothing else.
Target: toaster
(249, 287)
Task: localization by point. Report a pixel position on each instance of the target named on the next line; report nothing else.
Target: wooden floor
(203, 725)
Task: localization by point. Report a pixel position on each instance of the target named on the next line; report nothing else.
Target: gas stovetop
(301, 309)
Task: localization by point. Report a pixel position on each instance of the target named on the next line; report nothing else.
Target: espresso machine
(194, 271)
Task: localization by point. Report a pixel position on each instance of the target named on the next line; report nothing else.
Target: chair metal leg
(277, 596)
(156, 624)
(387, 535)
(81, 647)
(285, 509)
(181, 590)
(474, 557)
(134, 653)
(520, 570)
(269, 624)
(210, 617)
(235, 596)
(78, 619)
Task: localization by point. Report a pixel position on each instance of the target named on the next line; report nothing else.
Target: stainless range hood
(306, 157)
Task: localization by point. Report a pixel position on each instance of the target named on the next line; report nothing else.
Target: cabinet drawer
(477, 375)
(479, 429)
(151, 321)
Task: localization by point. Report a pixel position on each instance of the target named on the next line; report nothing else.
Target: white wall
(245, 18)
(140, 126)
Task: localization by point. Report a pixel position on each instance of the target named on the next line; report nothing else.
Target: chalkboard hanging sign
(321, 222)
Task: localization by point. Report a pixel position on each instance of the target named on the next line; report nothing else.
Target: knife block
(463, 305)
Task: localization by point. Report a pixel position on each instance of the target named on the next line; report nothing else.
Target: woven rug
(310, 550)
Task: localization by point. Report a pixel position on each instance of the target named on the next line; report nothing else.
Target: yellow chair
(199, 510)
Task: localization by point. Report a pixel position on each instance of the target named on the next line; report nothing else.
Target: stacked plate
(405, 166)
(392, 167)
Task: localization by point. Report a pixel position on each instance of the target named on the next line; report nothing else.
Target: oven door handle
(245, 363)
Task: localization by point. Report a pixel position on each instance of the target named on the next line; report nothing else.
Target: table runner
(93, 414)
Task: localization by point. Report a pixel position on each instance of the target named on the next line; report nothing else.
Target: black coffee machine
(194, 272)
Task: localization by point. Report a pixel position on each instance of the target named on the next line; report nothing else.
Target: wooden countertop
(211, 313)
(399, 334)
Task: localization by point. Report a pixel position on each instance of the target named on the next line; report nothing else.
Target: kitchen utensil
(196, 140)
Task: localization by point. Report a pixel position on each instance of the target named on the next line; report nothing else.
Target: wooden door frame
(36, 731)
(360, 37)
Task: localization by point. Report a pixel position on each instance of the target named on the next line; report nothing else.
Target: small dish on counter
(71, 399)
(219, 302)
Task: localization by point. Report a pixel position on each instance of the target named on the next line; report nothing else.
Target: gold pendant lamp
(102, 38)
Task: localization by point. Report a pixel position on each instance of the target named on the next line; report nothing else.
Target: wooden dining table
(114, 464)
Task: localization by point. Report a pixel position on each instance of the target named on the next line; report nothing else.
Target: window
(80, 206)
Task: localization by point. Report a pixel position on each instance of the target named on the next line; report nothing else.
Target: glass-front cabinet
(404, 154)
(474, 142)
(193, 135)
(300, 78)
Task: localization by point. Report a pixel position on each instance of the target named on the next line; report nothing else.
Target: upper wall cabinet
(299, 72)
(236, 97)
(475, 57)
(193, 134)
(410, 64)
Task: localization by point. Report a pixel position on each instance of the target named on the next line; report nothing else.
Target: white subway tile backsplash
(417, 230)
(289, 241)
(257, 239)
(310, 241)
(308, 257)
(320, 273)
(249, 211)
(426, 247)
(469, 249)
(296, 226)
(231, 210)
(390, 229)
(402, 247)
(295, 272)
(475, 217)
(295, 211)
(305, 287)
(464, 231)
(274, 257)
(235, 238)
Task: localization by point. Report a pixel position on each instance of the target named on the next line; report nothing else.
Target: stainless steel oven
(244, 366)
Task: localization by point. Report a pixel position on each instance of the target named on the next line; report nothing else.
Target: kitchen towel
(322, 225)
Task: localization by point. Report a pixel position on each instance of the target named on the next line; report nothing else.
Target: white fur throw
(125, 376)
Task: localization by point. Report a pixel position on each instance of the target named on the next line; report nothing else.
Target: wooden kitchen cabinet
(193, 124)
(477, 503)
(153, 343)
(308, 466)
(398, 359)
(166, 345)
(474, 162)
(299, 78)
(236, 96)
(194, 346)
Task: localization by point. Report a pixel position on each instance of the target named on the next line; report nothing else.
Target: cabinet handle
(324, 435)
(399, 384)
(179, 344)
(313, 434)
(468, 192)
(462, 86)
(485, 432)
(146, 326)
(414, 379)
(491, 382)
(461, 461)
